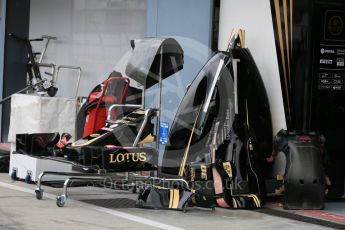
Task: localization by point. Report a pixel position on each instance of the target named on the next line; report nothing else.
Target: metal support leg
(39, 190)
(61, 199)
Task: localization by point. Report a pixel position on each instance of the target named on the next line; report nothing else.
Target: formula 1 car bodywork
(119, 146)
(223, 119)
(234, 102)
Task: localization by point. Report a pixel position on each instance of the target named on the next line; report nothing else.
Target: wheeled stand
(124, 180)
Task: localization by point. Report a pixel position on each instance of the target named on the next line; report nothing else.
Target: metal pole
(234, 66)
(46, 46)
(137, 138)
(159, 98)
(73, 68)
(22, 90)
(120, 105)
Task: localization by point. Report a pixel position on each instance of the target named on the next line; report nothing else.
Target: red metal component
(97, 115)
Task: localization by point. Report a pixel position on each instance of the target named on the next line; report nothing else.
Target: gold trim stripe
(234, 202)
(291, 21)
(236, 32)
(257, 201)
(171, 201)
(185, 155)
(228, 169)
(244, 39)
(176, 198)
(287, 40)
(241, 36)
(89, 141)
(229, 41)
(281, 46)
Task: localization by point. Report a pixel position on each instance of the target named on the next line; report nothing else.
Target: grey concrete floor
(19, 209)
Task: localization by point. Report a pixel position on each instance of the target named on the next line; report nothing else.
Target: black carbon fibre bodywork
(251, 94)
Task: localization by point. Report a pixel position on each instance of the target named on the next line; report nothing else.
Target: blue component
(14, 175)
(163, 133)
(28, 179)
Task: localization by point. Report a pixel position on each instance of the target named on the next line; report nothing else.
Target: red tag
(303, 138)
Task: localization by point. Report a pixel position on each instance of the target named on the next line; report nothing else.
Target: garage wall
(92, 34)
(255, 17)
(15, 56)
(190, 23)
(2, 49)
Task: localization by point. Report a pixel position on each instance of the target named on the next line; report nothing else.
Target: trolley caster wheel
(14, 175)
(61, 200)
(28, 179)
(213, 208)
(39, 193)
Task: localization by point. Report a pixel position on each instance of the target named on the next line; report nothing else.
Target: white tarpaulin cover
(35, 114)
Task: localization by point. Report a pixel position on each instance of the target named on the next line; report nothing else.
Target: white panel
(92, 34)
(255, 17)
(47, 114)
(25, 164)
